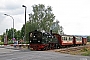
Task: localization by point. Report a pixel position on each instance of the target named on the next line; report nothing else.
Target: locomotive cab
(48, 38)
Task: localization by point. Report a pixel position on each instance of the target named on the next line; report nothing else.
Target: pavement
(10, 53)
(8, 49)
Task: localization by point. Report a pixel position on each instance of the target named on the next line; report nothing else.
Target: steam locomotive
(46, 41)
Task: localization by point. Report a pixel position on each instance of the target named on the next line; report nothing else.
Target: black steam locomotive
(42, 41)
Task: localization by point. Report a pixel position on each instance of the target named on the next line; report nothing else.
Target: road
(16, 54)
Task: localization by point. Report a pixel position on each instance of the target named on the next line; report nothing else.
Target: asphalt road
(16, 54)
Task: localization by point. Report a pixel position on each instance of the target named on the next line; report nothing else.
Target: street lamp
(25, 21)
(13, 23)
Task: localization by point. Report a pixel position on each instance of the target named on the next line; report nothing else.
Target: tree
(23, 31)
(9, 33)
(56, 28)
(18, 35)
(88, 38)
(2, 37)
(42, 18)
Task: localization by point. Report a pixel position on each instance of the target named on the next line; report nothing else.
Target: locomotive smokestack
(51, 32)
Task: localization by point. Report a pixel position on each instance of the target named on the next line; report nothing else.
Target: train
(46, 41)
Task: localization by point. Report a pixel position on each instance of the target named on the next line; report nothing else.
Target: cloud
(74, 15)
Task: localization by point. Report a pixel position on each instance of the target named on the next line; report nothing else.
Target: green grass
(86, 52)
(84, 49)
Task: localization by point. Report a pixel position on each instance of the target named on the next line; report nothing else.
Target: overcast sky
(74, 15)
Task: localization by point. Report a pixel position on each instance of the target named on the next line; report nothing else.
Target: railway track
(72, 50)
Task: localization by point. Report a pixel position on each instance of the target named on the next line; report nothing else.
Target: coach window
(66, 38)
(72, 38)
(69, 38)
(62, 38)
(76, 38)
(80, 38)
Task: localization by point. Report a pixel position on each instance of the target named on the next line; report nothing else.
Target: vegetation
(88, 38)
(1, 43)
(86, 51)
(41, 18)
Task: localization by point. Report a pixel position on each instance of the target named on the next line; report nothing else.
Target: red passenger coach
(78, 40)
(84, 40)
(64, 40)
(67, 40)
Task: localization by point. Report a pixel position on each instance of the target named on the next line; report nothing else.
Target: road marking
(83, 58)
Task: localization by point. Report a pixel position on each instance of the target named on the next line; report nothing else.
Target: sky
(73, 15)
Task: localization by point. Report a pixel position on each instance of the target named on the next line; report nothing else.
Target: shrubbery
(1, 43)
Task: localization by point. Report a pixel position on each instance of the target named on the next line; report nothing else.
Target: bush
(1, 43)
(10, 42)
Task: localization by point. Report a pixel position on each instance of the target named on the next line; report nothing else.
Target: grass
(86, 51)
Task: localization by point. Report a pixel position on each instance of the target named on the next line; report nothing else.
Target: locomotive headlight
(38, 41)
(33, 36)
(30, 41)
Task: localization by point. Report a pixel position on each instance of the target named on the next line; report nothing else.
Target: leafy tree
(56, 28)
(2, 37)
(9, 33)
(88, 38)
(42, 18)
(18, 35)
(23, 31)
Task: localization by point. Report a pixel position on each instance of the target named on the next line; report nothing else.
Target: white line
(83, 58)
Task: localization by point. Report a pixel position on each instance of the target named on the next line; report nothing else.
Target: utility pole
(25, 22)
